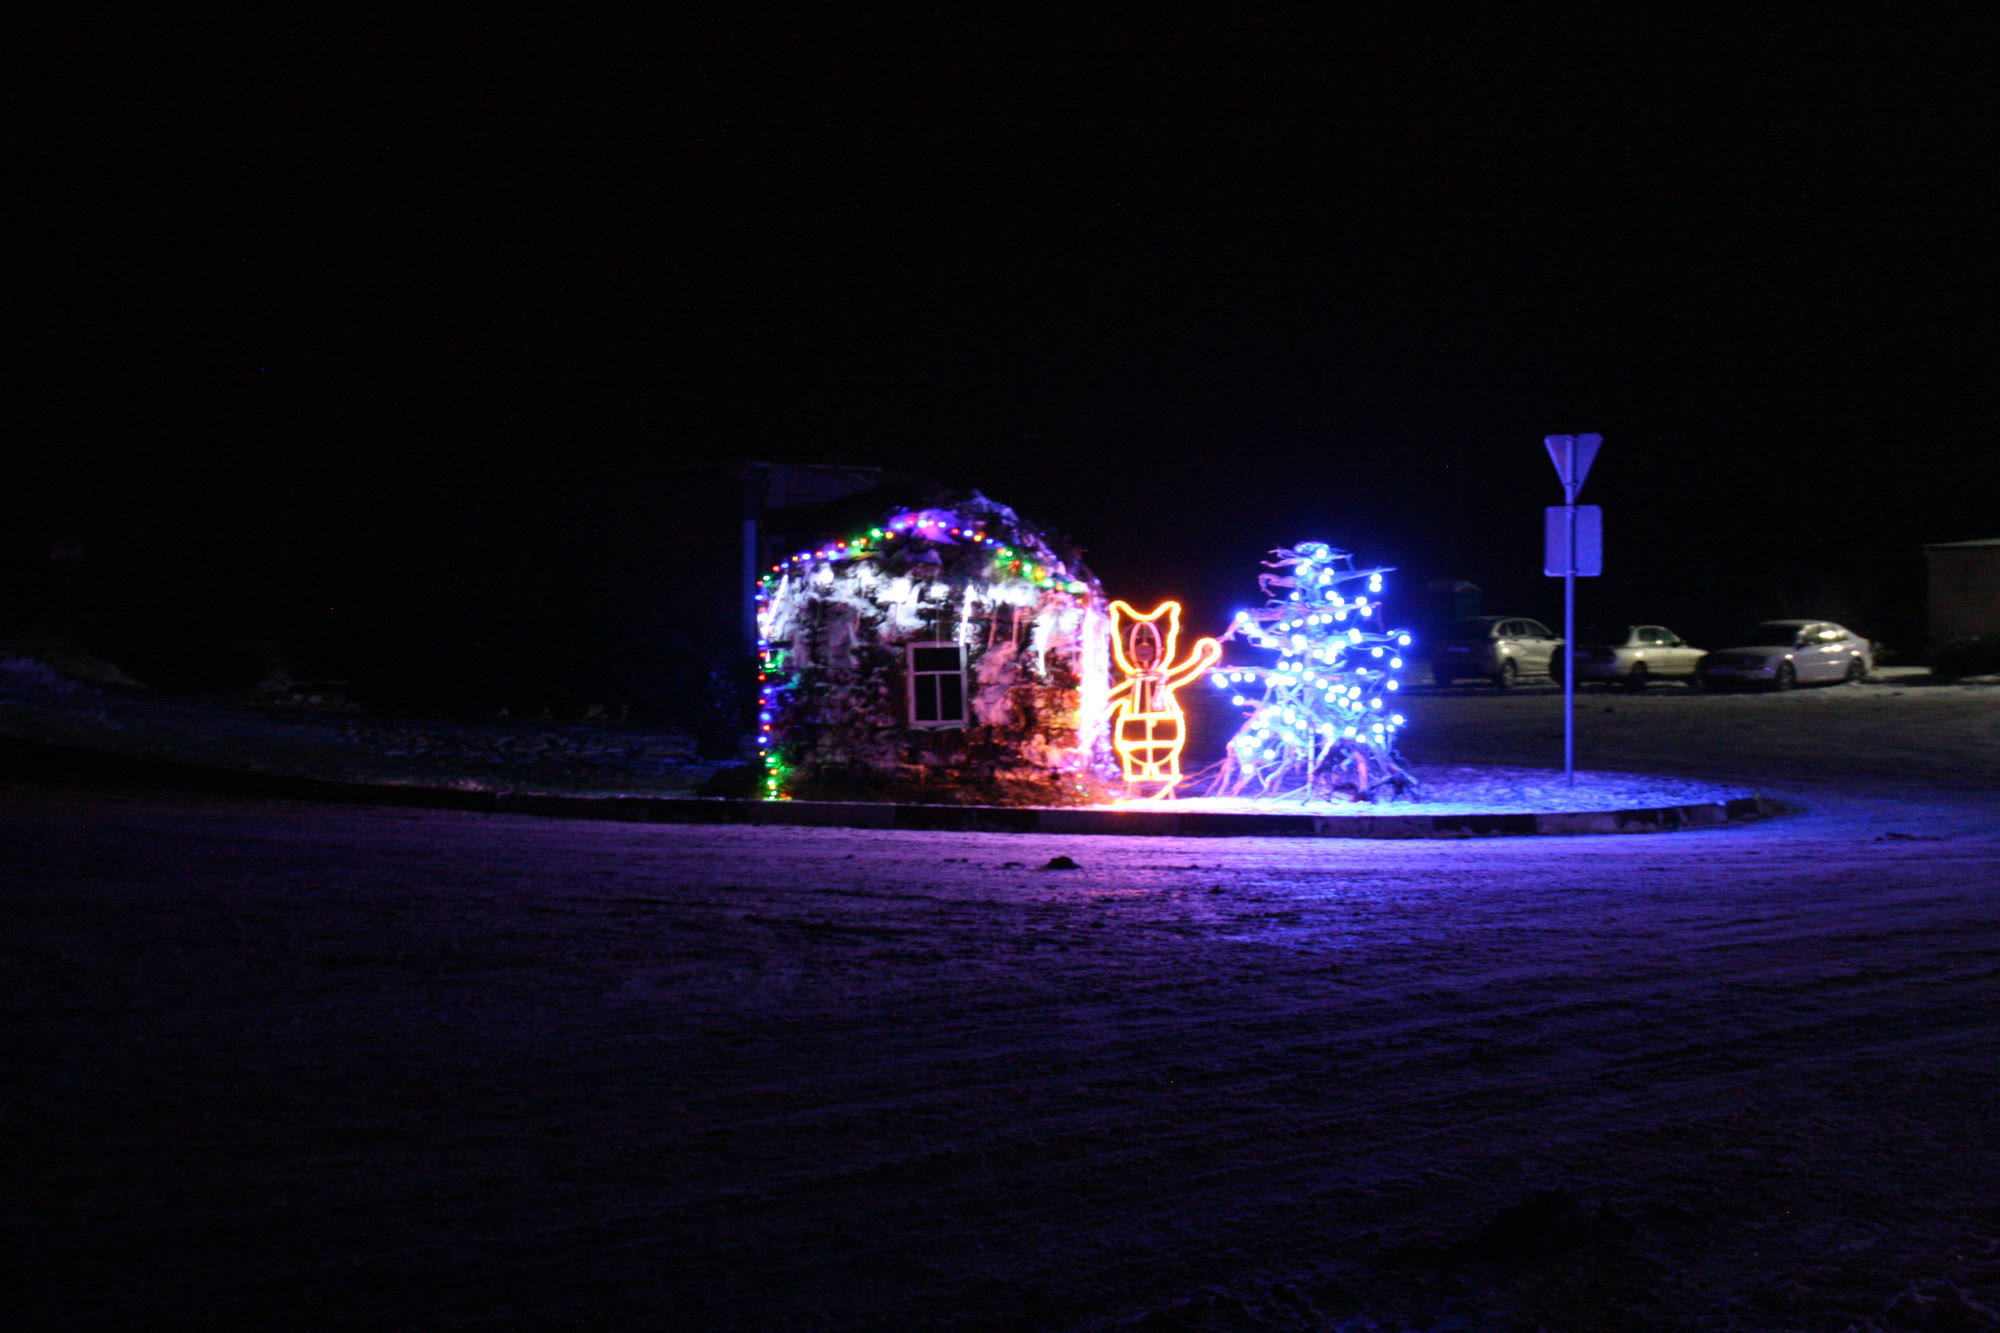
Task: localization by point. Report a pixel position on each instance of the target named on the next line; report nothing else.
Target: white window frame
(912, 676)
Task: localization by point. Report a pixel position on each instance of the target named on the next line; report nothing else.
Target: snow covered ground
(1471, 789)
(277, 1062)
(1476, 749)
(248, 735)
(1903, 727)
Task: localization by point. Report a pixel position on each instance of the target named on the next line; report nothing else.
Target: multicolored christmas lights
(904, 532)
(1321, 722)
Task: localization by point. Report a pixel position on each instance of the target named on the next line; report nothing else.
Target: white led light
(1319, 709)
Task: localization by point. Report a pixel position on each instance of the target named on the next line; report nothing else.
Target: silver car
(1779, 654)
(1634, 655)
(1500, 648)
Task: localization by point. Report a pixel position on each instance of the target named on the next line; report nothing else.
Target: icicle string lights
(1320, 724)
(935, 527)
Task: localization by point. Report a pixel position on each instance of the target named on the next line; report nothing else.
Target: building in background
(1964, 590)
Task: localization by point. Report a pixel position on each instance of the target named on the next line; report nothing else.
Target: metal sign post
(1572, 547)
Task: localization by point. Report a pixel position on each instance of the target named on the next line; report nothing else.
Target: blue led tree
(1321, 725)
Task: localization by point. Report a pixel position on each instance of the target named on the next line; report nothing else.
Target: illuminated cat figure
(1147, 725)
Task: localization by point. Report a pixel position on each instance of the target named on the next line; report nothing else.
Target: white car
(1635, 655)
(1500, 648)
(1782, 653)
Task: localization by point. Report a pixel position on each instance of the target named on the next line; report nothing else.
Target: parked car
(1783, 653)
(1502, 649)
(1633, 655)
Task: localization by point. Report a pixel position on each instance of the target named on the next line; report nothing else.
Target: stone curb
(863, 814)
(1147, 823)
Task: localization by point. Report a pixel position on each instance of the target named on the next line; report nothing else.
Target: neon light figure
(1147, 725)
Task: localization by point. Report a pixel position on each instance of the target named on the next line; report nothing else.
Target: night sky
(1185, 291)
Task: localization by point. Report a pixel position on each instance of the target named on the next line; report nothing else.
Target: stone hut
(943, 654)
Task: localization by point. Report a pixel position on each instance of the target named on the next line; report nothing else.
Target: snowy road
(426, 1069)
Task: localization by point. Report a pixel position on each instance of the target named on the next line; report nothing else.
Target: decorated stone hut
(941, 654)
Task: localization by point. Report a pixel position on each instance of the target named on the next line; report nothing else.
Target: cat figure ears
(1137, 640)
(1141, 648)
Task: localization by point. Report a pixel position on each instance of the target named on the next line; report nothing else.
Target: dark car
(1501, 649)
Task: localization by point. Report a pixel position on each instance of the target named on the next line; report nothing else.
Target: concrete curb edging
(1147, 823)
(870, 815)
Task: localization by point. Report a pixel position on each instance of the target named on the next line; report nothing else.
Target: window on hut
(937, 685)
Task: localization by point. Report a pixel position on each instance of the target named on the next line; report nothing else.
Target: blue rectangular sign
(1589, 527)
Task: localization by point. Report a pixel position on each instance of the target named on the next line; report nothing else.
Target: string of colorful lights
(1319, 724)
(903, 532)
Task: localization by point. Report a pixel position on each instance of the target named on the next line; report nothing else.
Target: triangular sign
(1572, 455)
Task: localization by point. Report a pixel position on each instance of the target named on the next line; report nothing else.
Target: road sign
(1572, 455)
(1572, 548)
(1587, 523)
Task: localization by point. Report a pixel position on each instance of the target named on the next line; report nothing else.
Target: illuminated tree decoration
(1148, 728)
(1321, 725)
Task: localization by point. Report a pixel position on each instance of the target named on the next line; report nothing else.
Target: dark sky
(1187, 291)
